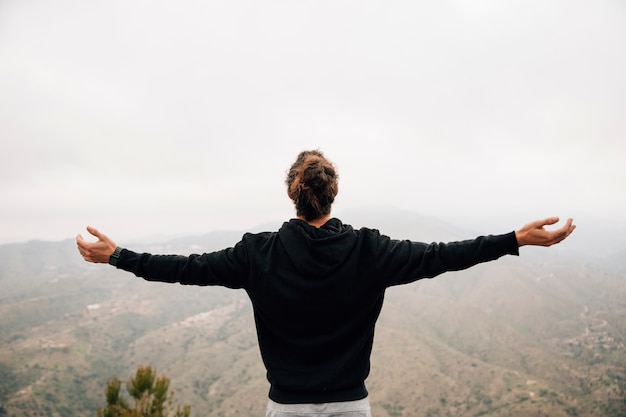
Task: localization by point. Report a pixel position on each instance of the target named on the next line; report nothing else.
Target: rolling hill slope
(543, 334)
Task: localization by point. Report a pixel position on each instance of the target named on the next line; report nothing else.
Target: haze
(163, 118)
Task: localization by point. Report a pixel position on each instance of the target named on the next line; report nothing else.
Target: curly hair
(312, 184)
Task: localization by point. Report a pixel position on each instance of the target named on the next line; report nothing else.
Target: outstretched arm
(96, 252)
(534, 233)
(228, 267)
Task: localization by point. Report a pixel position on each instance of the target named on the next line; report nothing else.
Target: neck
(319, 222)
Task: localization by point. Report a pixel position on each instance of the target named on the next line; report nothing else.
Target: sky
(146, 118)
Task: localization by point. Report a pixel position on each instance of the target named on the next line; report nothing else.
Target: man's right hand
(534, 233)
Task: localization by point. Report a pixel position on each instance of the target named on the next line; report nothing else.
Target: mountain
(542, 334)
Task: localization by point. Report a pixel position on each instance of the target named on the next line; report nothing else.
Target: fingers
(83, 248)
(80, 242)
(101, 236)
(86, 248)
(548, 221)
(568, 227)
(562, 233)
(89, 251)
(539, 224)
(572, 226)
(93, 231)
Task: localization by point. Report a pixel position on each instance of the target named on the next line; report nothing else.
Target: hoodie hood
(317, 251)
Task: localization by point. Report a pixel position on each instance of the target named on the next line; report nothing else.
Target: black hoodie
(316, 294)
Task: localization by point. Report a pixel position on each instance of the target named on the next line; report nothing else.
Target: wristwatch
(115, 256)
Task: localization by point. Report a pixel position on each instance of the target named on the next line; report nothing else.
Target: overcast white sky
(145, 117)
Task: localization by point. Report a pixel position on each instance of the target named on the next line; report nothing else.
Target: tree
(149, 392)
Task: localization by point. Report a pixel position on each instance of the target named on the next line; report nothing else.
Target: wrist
(115, 256)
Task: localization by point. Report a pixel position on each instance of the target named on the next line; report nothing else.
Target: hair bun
(312, 184)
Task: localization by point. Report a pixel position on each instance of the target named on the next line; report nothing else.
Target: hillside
(543, 334)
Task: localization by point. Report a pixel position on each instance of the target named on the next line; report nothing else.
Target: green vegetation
(150, 395)
(8, 381)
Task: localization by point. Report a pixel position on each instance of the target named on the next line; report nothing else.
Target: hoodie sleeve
(228, 267)
(404, 261)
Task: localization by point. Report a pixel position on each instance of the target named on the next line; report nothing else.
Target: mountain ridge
(539, 334)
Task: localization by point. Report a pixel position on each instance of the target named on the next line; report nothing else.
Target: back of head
(312, 184)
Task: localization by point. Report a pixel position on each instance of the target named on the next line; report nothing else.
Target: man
(317, 287)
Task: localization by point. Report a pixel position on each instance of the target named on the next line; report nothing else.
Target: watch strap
(115, 256)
